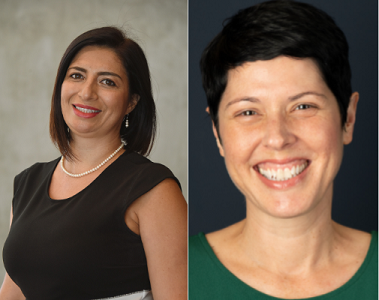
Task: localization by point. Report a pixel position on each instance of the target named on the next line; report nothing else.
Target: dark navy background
(214, 202)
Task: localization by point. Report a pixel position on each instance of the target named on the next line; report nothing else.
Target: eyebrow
(100, 73)
(292, 98)
(298, 96)
(248, 99)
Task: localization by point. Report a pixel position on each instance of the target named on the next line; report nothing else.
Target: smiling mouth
(86, 110)
(278, 173)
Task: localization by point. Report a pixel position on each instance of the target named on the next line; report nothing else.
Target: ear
(132, 103)
(350, 119)
(220, 148)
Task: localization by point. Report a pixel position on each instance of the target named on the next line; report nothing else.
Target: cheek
(239, 143)
(66, 92)
(334, 147)
(117, 101)
(327, 133)
(324, 138)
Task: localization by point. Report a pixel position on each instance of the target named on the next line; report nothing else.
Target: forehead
(279, 76)
(96, 57)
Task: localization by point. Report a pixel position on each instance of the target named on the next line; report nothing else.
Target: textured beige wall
(35, 33)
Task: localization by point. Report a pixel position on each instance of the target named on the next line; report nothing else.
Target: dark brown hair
(142, 120)
(271, 29)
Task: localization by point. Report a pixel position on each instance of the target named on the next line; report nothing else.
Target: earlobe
(132, 103)
(350, 119)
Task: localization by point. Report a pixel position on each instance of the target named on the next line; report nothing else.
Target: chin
(287, 207)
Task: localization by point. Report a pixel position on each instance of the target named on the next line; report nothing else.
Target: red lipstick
(85, 111)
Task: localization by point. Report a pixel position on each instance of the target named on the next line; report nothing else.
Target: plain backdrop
(214, 200)
(34, 35)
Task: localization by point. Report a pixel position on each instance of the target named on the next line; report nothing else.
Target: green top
(209, 279)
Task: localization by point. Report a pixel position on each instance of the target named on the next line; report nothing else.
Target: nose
(278, 133)
(88, 90)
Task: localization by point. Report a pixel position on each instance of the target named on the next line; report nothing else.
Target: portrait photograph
(93, 157)
(283, 149)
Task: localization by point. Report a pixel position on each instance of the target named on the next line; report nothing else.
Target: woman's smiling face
(95, 93)
(281, 134)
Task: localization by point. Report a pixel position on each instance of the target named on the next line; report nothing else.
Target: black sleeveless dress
(80, 247)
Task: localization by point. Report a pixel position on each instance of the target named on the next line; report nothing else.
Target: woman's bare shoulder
(165, 199)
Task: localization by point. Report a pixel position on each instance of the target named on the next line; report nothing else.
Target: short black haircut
(271, 29)
(142, 120)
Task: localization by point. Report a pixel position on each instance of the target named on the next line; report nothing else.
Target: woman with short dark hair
(102, 221)
(277, 81)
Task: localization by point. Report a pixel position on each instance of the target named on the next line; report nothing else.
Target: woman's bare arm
(162, 218)
(9, 290)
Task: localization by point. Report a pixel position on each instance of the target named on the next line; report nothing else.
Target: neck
(91, 152)
(289, 245)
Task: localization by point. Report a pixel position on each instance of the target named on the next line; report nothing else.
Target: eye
(248, 113)
(76, 76)
(303, 106)
(108, 82)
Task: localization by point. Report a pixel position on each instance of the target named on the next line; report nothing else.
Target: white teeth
(280, 174)
(87, 111)
(287, 173)
(293, 171)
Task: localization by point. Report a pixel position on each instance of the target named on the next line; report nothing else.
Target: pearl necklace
(94, 169)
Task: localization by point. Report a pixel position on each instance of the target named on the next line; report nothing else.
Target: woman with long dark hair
(102, 221)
